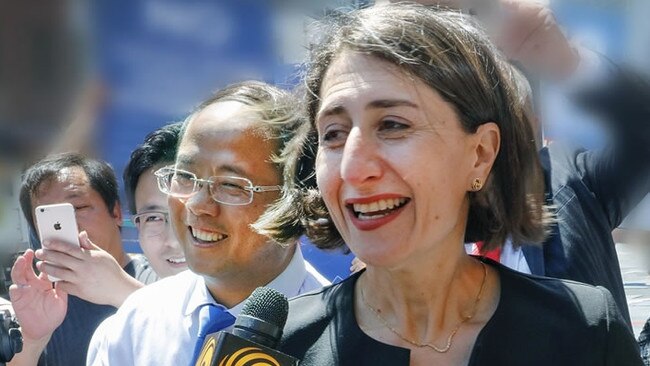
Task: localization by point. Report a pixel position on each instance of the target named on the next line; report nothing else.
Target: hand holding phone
(57, 222)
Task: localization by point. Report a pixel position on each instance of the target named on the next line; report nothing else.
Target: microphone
(256, 334)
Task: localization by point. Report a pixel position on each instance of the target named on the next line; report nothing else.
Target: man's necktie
(212, 318)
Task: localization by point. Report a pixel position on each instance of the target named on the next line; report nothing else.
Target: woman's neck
(423, 302)
(427, 286)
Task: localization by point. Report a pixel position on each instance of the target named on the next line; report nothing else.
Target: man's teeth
(176, 260)
(381, 205)
(206, 235)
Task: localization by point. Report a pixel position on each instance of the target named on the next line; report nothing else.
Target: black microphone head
(255, 335)
(263, 317)
(268, 305)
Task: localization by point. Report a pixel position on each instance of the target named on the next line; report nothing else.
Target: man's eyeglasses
(234, 191)
(151, 223)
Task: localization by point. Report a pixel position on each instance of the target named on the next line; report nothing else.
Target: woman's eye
(392, 125)
(334, 136)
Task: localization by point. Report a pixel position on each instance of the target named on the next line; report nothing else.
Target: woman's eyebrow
(333, 110)
(375, 104)
(390, 103)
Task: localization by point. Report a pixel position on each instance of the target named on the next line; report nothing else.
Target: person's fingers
(60, 259)
(85, 242)
(529, 27)
(28, 255)
(24, 277)
(60, 291)
(22, 272)
(535, 45)
(18, 270)
(62, 273)
(537, 36)
(547, 51)
(65, 287)
(520, 24)
(70, 248)
(16, 293)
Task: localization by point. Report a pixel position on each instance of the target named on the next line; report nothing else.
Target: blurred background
(100, 74)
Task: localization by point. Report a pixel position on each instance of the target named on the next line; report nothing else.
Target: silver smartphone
(57, 222)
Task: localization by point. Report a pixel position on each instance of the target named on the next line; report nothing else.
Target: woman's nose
(361, 161)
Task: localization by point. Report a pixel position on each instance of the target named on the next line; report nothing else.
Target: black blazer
(538, 322)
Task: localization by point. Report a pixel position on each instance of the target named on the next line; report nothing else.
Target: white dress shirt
(158, 324)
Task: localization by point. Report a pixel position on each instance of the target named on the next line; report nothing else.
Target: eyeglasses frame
(164, 171)
(163, 213)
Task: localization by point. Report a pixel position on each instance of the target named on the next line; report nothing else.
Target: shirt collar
(288, 282)
(291, 279)
(199, 296)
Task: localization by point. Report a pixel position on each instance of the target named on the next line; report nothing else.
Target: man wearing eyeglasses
(148, 204)
(223, 180)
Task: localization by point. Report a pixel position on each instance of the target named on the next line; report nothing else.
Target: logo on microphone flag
(207, 353)
(226, 349)
(249, 356)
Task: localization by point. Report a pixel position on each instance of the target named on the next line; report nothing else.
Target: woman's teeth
(378, 209)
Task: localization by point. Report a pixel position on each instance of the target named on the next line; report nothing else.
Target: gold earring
(477, 185)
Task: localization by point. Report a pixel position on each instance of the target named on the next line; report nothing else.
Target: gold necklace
(453, 332)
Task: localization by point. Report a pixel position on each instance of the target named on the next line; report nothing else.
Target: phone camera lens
(42, 210)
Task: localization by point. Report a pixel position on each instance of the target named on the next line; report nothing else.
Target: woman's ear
(487, 142)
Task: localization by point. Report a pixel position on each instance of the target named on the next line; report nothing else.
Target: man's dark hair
(100, 175)
(158, 147)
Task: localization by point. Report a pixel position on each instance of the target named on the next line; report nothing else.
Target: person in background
(223, 179)
(58, 320)
(148, 204)
(422, 144)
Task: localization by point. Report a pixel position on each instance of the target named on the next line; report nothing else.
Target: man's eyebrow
(153, 208)
(73, 195)
(184, 160)
(229, 168)
(189, 161)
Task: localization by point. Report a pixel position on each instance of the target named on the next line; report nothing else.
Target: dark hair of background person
(158, 147)
(100, 175)
(448, 52)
